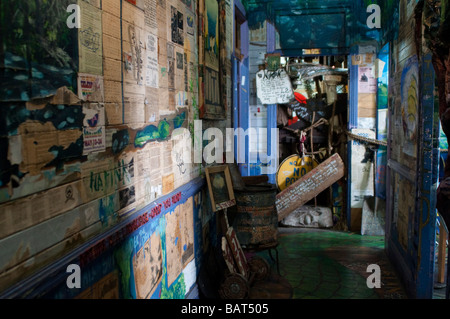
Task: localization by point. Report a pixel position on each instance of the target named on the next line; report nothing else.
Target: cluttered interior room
(224, 149)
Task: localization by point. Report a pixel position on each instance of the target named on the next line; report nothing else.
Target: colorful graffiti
(152, 133)
(147, 258)
(161, 132)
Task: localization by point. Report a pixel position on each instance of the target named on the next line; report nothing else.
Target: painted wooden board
(147, 267)
(238, 253)
(309, 186)
(179, 239)
(30, 265)
(24, 244)
(31, 210)
(228, 256)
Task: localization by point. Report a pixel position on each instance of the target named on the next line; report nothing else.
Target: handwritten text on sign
(309, 186)
(274, 87)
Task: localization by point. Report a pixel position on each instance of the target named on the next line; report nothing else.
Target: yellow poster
(293, 168)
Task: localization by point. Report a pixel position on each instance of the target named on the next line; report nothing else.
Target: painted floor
(323, 264)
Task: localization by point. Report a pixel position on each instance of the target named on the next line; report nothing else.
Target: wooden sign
(228, 256)
(237, 252)
(309, 186)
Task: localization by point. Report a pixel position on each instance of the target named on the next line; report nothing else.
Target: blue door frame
(241, 98)
(416, 265)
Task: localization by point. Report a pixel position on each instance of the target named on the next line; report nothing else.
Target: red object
(292, 121)
(300, 97)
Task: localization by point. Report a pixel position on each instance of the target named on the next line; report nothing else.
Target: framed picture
(220, 187)
(212, 101)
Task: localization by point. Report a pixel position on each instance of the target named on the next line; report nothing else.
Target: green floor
(321, 264)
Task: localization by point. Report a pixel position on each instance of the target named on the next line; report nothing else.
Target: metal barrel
(256, 220)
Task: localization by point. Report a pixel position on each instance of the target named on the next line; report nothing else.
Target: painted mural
(137, 261)
(410, 106)
(38, 56)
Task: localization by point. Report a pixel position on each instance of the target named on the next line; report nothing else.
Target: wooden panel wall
(78, 160)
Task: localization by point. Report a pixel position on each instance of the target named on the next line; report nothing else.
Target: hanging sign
(274, 87)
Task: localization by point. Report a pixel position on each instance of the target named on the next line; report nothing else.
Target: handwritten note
(274, 87)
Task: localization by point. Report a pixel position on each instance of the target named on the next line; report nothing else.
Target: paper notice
(150, 16)
(94, 128)
(90, 39)
(367, 82)
(362, 169)
(152, 75)
(274, 87)
(90, 87)
(134, 107)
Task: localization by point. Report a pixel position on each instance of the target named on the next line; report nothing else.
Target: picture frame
(220, 187)
(212, 101)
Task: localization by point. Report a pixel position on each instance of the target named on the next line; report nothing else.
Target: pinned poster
(379, 68)
(362, 168)
(90, 87)
(94, 137)
(367, 83)
(152, 75)
(90, 40)
(274, 87)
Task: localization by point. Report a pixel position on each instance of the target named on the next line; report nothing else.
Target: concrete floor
(325, 264)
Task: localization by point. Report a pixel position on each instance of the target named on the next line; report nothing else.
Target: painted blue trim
(271, 109)
(245, 40)
(238, 4)
(270, 37)
(244, 97)
(55, 272)
(244, 121)
(428, 166)
(271, 123)
(236, 98)
(353, 71)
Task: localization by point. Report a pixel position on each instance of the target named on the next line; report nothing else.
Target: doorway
(312, 127)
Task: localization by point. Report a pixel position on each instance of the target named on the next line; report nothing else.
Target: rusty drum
(256, 220)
